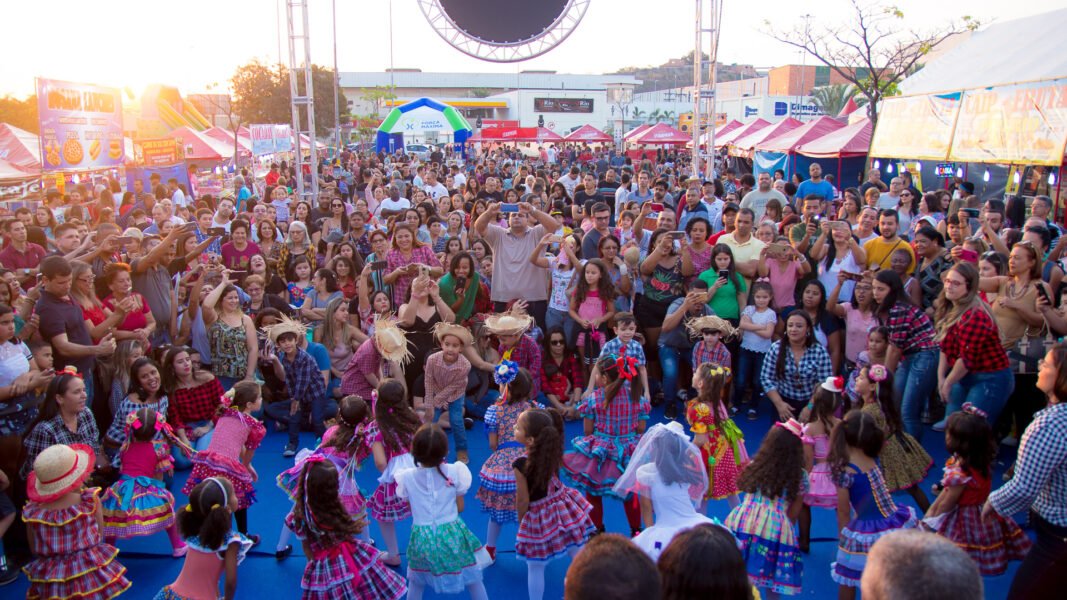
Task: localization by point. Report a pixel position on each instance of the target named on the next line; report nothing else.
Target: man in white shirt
(223, 215)
(891, 199)
(757, 199)
(177, 195)
(551, 155)
(433, 188)
(570, 181)
(459, 178)
(394, 204)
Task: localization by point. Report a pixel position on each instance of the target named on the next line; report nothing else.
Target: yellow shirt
(879, 250)
(743, 253)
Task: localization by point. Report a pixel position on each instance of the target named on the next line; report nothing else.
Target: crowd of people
(146, 333)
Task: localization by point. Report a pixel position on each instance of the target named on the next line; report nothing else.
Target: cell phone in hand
(971, 212)
(509, 207)
(216, 231)
(125, 239)
(1041, 292)
(724, 273)
(968, 255)
(656, 207)
(378, 265)
(676, 235)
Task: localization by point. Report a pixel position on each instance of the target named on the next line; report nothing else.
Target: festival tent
(661, 134)
(849, 108)
(19, 147)
(587, 133)
(848, 145)
(740, 132)
(742, 146)
(778, 152)
(516, 134)
(201, 147)
(226, 137)
(421, 116)
(636, 131)
(13, 173)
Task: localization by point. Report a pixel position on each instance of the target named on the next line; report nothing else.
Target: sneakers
(671, 412)
(468, 422)
(284, 553)
(940, 425)
(290, 450)
(461, 456)
(8, 576)
(180, 551)
(752, 414)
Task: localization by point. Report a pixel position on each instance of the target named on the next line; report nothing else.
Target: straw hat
(442, 329)
(711, 322)
(285, 325)
(391, 342)
(509, 323)
(58, 470)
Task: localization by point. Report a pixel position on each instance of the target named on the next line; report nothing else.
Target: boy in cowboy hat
(712, 331)
(445, 380)
(364, 372)
(307, 390)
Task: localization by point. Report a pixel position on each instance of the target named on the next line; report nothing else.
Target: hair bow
(878, 373)
(505, 372)
(627, 366)
(70, 370)
(969, 407)
(133, 421)
(226, 400)
(763, 280)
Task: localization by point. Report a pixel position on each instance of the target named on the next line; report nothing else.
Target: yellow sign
(1022, 123)
(915, 127)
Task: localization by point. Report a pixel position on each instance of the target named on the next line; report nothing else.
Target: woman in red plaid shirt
(561, 374)
(974, 366)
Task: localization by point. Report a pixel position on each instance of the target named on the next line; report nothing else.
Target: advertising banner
(1022, 123)
(283, 138)
(157, 152)
(80, 124)
(916, 126)
(563, 105)
(262, 139)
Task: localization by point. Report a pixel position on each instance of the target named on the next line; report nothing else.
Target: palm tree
(655, 116)
(637, 114)
(832, 98)
(670, 116)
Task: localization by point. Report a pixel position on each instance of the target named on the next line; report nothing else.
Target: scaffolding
(306, 164)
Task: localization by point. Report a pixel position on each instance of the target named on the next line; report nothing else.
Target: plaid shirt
(569, 371)
(54, 539)
(527, 354)
(633, 350)
(195, 404)
(799, 380)
(366, 360)
(1040, 478)
(422, 255)
(620, 418)
(303, 377)
(910, 329)
(718, 355)
(54, 431)
(975, 339)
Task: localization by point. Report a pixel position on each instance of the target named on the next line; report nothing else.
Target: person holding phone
(403, 260)
(837, 250)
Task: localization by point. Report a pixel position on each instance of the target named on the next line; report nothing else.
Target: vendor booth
(418, 117)
(779, 151)
(589, 135)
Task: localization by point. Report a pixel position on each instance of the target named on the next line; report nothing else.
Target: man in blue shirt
(816, 185)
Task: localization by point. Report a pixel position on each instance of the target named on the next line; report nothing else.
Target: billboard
(563, 105)
(916, 126)
(157, 152)
(268, 139)
(80, 124)
(1021, 123)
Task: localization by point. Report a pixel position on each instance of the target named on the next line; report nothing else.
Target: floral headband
(970, 408)
(877, 373)
(226, 400)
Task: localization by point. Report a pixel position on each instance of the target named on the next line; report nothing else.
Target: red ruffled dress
(724, 453)
(991, 545)
(598, 460)
(72, 559)
(234, 433)
(557, 520)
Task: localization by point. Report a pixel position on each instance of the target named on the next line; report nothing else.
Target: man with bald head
(909, 564)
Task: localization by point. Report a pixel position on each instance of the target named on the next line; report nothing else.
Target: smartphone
(216, 231)
(189, 227)
(853, 276)
(1041, 292)
(509, 208)
(971, 212)
(656, 207)
(776, 248)
(724, 273)
(969, 255)
(378, 265)
(125, 239)
(841, 225)
(424, 270)
(676, 235)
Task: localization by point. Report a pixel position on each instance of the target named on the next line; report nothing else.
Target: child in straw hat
(509, 328)
(63, 525)
(307, 390)
(445, 379)
(364, 373)
(712, 331)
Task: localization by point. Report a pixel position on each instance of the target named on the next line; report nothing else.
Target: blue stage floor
(150, 566)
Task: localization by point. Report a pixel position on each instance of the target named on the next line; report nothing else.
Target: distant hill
(678, 72)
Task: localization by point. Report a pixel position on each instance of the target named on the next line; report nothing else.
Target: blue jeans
(318, 410)
(669, 358)
(987, 391)
(749, 364)
(915, 378)
(455, 421)
(560, 318)
(477, 410)
(181, 462)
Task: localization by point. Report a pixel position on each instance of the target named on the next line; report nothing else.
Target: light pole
(803, 65)
(336, 77)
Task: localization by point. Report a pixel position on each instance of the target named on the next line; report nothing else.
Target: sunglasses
(557, 342)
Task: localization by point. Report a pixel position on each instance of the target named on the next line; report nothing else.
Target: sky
(197, 45)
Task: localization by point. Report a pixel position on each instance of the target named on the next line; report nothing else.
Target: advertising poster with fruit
(81, 125)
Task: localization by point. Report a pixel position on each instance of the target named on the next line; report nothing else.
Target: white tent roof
(1003, 53)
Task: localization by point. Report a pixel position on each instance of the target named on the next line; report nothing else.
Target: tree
(20, 113)
(832, 98)
(637, 114)
(481, 92)
(669, 116)
(261, 95)
(873, 52)
(655, 116)
(377, 96)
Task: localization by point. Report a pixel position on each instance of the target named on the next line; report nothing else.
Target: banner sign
(268, 139)
(916, 127)
(157, 152)
(80, 124)
(1022, 123)
(496, 123)
(563, 105)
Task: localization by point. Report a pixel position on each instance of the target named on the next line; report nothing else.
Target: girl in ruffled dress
(764, 523)
(215, 549)
(820, 422)
(390, 436)
(236, 436)
(720, 441)
(345, 445)
(553, 518)
(442, 553)
(341, 565)
(497, 491)
(62, 524)
(139, 503)
(855, 444)
(904, 462)
(615, 415)
(670, 475)
(957, 511)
